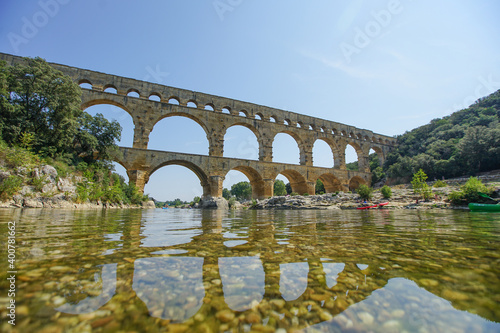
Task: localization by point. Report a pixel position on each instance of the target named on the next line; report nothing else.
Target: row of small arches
(174, 100)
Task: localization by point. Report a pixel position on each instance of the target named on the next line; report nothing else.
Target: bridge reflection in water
(211, 271)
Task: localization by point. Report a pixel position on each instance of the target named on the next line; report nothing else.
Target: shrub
(386, 192)
(469, 192)
(457, 198)
(420, 186)
(472, 188)
(39, 182)
(293, 194)
(365, 192)
(440, 183)
(10, 186)
(231, 202)
(16, 157)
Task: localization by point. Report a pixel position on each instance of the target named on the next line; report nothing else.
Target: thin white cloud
(339, 65)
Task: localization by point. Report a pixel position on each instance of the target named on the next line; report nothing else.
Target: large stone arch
(331, 183)
(333, 148)
(298, 139)
(102, 101)
(255, 178)
(380, 153)
(199, 172)
(248, 126)
(182, 114)
(355, 182)
(297, 181)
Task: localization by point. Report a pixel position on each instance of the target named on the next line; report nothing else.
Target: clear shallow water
(263, 271)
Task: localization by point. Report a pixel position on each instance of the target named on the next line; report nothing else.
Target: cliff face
(41, 187)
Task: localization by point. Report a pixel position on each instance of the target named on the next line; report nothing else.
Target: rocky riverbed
(402, 198)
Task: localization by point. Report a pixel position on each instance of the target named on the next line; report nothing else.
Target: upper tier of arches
(210, 103)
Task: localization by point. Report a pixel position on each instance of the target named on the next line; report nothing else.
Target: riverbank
(402, 198)
(43, 187)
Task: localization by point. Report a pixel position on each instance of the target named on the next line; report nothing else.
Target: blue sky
(388, 66)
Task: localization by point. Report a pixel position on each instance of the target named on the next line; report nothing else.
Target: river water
(179, 270)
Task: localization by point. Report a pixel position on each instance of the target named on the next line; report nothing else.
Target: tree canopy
(279, 187)
(41, 105)
(242, 191)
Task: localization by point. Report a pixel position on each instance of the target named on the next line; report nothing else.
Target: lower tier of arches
(211, 171)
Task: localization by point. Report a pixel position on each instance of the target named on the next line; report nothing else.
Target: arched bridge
(148, 103)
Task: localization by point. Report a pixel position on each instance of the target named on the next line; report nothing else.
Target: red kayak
(374, 206)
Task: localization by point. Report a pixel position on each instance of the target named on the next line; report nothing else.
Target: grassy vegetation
(98, 182)
(469, 192)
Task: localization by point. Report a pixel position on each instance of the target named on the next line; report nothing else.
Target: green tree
(279, 187)
(40, 110)
(469, 192)
(386, 192)
(96, 135)
(226, 194)
(365, 192)
(479, 150)
(41, 101)
(288, 188)
(242, 191)
(420, 186)
(320, 187)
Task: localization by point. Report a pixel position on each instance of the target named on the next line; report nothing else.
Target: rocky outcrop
(43, 188)
(213, 203)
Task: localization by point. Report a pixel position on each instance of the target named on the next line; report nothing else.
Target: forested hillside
(464, 143)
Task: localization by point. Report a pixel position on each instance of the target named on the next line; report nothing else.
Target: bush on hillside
(386, 192)
(365, 192)
(469, 192)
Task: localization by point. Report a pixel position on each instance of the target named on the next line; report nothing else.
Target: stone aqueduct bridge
(215, 115)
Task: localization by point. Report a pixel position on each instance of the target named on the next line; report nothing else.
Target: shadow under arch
(255, 178)
(355, 182)
(200, 173)
(297, 181)
(331, 183)
(380, 154)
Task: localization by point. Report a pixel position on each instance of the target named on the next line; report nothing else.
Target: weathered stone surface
(27, 190)
(32, 203)
(148, 204)
(66, 185)
(49, 188)
(49, 171)
(214, 203)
